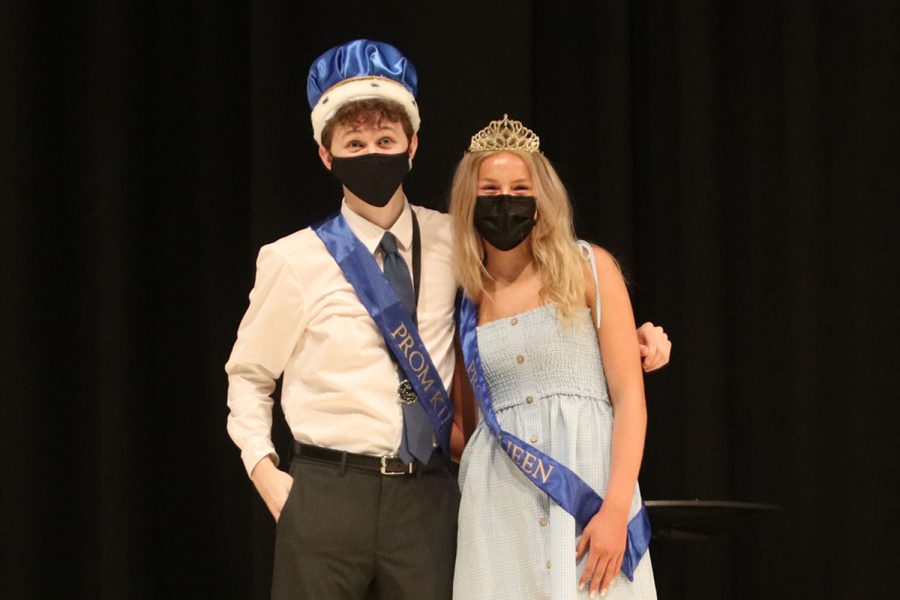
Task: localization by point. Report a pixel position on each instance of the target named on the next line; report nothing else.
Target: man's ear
(413, 145)
(325, 157)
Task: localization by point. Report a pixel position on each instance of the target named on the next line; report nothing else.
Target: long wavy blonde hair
(553, 244)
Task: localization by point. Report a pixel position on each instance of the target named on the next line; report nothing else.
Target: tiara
(505, 135)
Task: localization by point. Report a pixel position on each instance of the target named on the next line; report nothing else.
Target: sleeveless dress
(549, 389)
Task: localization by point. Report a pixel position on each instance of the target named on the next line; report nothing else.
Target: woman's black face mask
(504, 220)
(372, 177)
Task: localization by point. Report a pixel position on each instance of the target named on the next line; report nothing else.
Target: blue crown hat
(359, 70)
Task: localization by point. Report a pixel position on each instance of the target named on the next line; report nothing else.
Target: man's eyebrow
(357, 129)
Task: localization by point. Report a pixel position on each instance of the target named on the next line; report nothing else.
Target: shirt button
(514, 321)
(529, 399)
(543, 522)
(520, 359)
(549, 564)
(534, 439)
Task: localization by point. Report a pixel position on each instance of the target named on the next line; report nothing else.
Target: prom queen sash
(552, 477)
(397, 327)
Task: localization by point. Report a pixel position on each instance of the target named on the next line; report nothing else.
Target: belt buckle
(403, 471)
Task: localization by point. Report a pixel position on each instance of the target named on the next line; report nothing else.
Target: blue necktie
(416, 440)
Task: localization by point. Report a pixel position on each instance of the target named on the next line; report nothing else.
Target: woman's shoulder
(603, 273)
(602, 259)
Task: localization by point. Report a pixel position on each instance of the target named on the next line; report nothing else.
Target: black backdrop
(739, 158)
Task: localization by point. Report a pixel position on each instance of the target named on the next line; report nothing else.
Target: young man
(357, 314)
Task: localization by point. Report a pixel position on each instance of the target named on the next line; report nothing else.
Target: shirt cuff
(252, 455)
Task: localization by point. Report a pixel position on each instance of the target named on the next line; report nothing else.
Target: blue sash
(400, 332)
(555, 479)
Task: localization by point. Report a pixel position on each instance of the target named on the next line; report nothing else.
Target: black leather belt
(384, 465)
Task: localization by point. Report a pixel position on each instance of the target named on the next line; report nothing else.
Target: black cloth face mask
(373, 177)
(504, 221)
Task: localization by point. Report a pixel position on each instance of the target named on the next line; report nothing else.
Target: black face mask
(504, 221)
(373, 177)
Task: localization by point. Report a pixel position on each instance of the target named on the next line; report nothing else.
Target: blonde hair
(553, 244)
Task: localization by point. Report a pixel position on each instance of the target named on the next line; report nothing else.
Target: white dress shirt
(305, 321)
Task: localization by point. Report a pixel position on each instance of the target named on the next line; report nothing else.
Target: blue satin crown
(559, 482)
(395, 323)
(359, 58)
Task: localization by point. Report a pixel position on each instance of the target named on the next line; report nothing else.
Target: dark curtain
(740, 159)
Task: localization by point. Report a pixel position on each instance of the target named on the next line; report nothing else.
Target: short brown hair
(365, 112)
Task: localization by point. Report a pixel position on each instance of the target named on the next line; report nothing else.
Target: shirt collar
(370, 234)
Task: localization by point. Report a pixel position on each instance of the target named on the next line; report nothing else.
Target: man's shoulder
(436, 227)
(430, 215)
(294, 245)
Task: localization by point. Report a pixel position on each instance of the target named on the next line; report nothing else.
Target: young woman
(550, 502)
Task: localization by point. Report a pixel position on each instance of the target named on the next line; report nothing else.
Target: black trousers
(353, 534)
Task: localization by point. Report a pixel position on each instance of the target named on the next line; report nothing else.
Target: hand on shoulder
(656, 348)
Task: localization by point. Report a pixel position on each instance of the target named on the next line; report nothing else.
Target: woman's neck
(508, 267)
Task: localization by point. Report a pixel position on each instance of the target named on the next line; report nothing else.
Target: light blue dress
(549, 389)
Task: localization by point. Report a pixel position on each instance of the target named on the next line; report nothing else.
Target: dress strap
(587, 252)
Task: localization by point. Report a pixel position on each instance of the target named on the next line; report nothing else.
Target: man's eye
(386, 141)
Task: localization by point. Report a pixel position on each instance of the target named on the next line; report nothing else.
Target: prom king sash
(396, 325)
(555, 479)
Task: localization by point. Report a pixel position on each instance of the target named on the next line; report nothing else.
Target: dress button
(514, 321)
(529, 399)
(549, 564)
(543, 521)
(520, 359)
(534, 439)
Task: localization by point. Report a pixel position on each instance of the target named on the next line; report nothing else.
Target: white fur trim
(359, 89)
